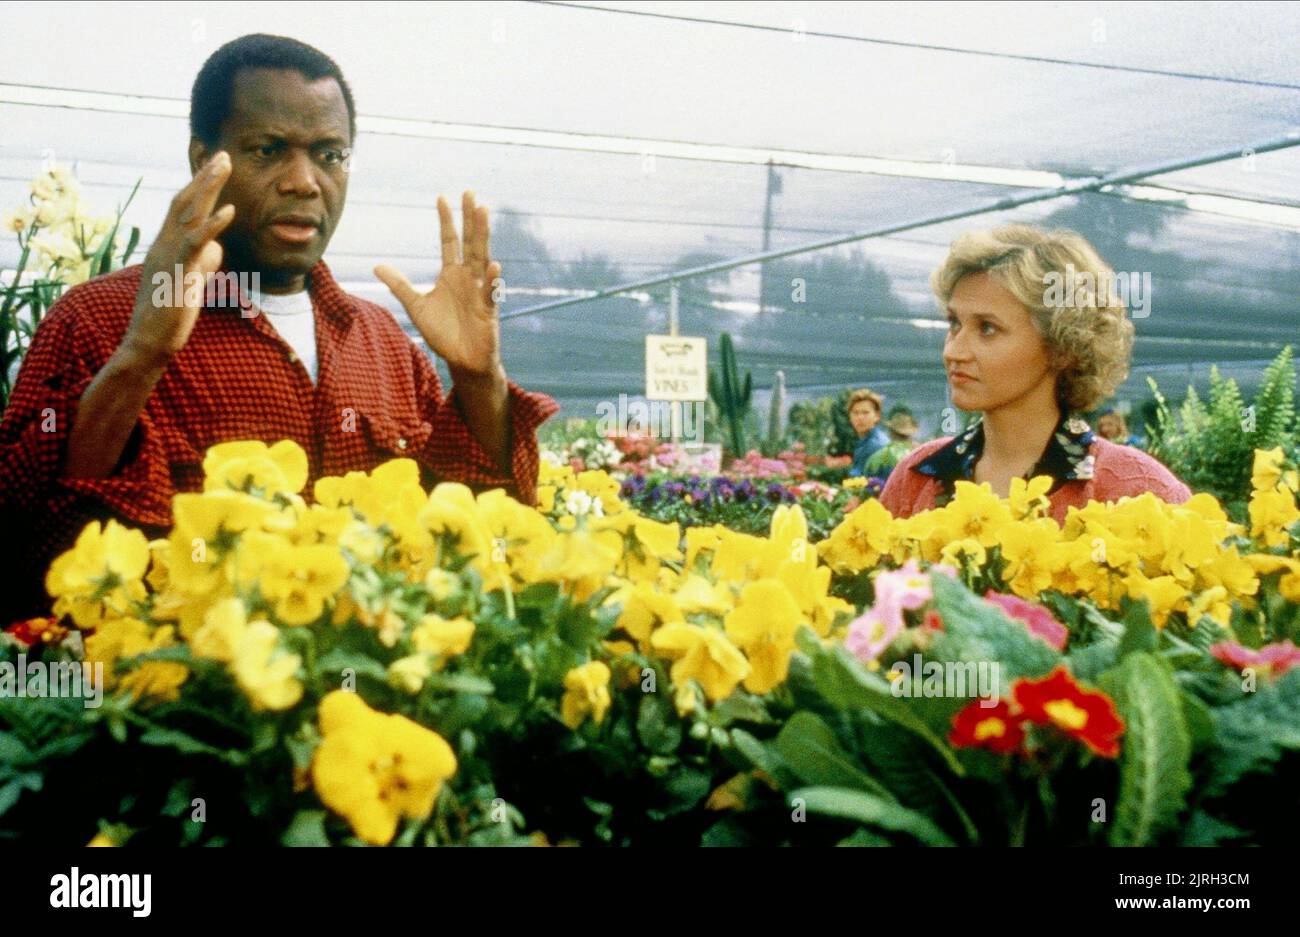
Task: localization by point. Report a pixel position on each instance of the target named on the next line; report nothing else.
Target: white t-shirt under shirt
(292, 317)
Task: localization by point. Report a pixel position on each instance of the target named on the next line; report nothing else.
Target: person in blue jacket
(864, 415)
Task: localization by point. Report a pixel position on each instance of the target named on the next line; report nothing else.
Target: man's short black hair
(214, 86)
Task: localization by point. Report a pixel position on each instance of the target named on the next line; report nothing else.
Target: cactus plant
(731, 394)
(774, 414)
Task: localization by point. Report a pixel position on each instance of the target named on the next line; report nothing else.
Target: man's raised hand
(188, 239)
(458, 317)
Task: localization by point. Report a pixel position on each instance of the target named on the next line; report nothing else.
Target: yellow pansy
(976, 512)
(265, 673)
(702, 654)
(1029, 498)
(1267, 471)
(700, 540)
(296, 581)
(763, 625)
(128, 637)
(861, 539)
(1272, 512)
(374, 769)
(1163, 593)
(644, 609)
(409, 673)
(1033, 555)
(442, 637)
(697, 594)
(224, 625)
(252, 465)
(101, 575)
(586, 692)
(1213, 602)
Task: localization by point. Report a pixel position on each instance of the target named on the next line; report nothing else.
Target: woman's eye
(268, 150)
(988, 328)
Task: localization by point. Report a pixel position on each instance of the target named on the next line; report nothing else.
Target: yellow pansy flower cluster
(1185, 558)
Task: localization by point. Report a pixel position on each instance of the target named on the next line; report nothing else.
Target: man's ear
(198, 155)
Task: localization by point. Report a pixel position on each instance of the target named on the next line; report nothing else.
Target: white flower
(577, 503)
(19, 219)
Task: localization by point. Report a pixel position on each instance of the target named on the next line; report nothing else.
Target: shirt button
(401, 444)
(293, 359)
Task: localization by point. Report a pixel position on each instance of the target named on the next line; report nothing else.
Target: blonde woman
(1029, 356)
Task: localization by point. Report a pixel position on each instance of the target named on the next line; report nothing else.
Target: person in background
(864, 415)
(902, 426)
(902, 429)
(1111, 425)
(1029, 362)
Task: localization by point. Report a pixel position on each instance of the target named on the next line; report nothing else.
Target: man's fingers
(216, 223)
(492, 275)
(197, 199)
(468, 219)
(397, 282)
(479, 248)
(447, 233)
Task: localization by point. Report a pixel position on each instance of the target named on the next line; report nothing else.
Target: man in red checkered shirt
(132, 376)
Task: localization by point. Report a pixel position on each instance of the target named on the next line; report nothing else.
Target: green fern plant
(1210, 443)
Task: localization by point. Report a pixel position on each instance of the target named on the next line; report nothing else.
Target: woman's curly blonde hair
(1090, 337)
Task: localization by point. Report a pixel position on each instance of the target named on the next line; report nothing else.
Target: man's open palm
(458, 317)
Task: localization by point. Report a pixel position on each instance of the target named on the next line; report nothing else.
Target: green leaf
(462, 683)
(863, 837)
(808, 747)
(13, 751)
(844, 682)
(1139, 629)
(739, 707)
(341, 658)
(1205, 830)
(1154, 779)
(187, 744)
(976, 630)
(657, 726)
(1253, 733)
(870, 810)
(9, 795)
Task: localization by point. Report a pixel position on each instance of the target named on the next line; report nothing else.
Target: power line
(898, 43)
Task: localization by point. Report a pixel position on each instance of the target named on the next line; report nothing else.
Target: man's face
(864, 416)
(288, 139)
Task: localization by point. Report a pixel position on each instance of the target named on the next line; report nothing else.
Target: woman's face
(994, 354)
(864, 416)
(1108, 427)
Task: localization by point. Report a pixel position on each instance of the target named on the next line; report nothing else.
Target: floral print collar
(1066, 457)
